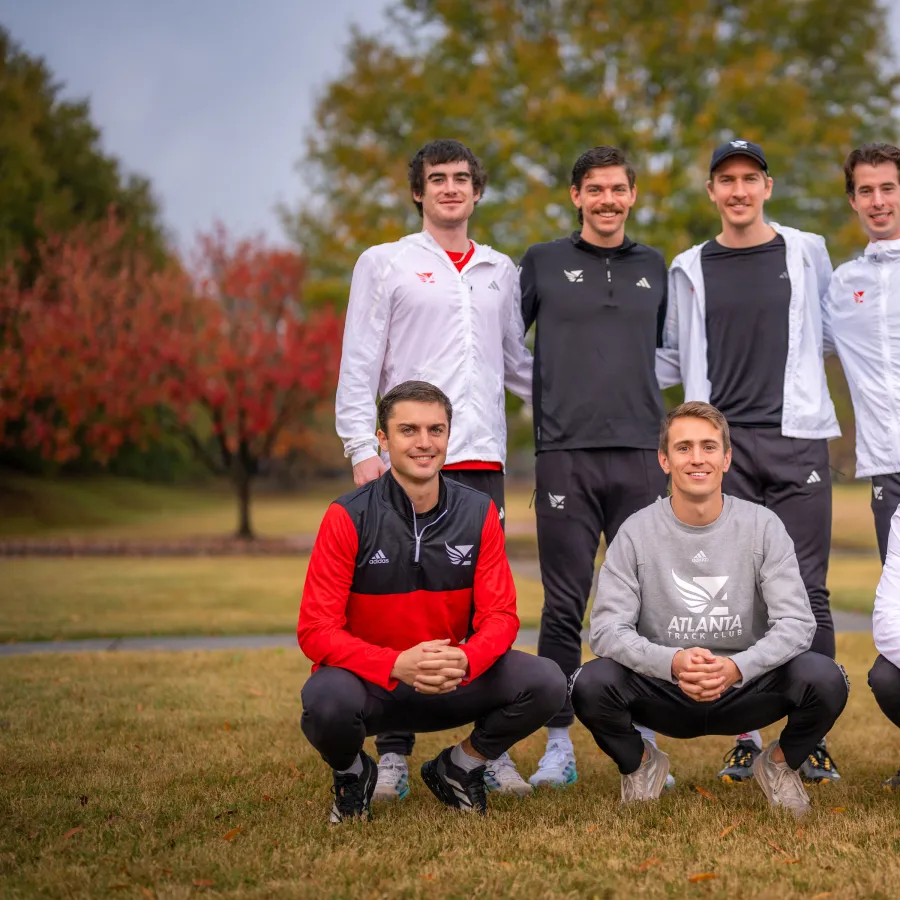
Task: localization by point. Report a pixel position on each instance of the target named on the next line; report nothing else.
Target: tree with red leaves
(103, 349)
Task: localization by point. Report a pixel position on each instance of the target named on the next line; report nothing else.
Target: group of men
(711, 614)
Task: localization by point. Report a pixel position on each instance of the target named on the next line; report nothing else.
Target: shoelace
(739, 755)
(787, 787)
(556, 756)
(500, 764)
(348, 796)
(474, 786)
(393, 764)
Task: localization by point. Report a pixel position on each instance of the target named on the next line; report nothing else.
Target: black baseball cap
(738, 148)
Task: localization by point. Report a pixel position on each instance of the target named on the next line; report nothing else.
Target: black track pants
(791, 476)
(509, 701)
(492, 484)
(810, 690)
(581, 494)
(885, 500)
(884, 679)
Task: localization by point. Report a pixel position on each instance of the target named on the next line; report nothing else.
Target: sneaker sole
(527, 791)
(556, 785)
(733, 779)
(390, 796)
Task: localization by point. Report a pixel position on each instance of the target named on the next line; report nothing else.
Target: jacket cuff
(363, 454)
(659, 662)
(747, 666)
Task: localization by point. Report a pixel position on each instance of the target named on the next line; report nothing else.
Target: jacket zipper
(419, 534)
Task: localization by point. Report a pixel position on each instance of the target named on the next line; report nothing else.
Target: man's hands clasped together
(432, 667)
(702, 675)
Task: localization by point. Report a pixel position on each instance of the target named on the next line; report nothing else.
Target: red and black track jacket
(380, 582)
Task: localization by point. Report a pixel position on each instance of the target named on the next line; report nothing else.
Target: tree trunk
(242, 485)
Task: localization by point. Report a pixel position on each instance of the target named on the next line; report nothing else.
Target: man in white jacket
(437, 307)
(744, 332)
(884, 678)
(862, 314)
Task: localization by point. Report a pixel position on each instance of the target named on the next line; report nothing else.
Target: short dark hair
(872, 155)
(694, 409)
(437, 153)
(600, 158)
(420, 392)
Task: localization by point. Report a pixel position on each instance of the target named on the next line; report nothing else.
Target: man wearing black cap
(744, 332)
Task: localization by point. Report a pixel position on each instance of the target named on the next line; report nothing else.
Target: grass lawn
(46, 599)
(171, 775)
(124, 508)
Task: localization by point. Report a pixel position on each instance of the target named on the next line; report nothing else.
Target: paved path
(527, 638)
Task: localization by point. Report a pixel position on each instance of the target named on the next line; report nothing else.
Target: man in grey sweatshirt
(702, 625)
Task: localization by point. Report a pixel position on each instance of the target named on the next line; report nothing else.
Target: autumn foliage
(103, 349)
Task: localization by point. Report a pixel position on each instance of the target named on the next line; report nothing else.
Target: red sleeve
(321, 630)
(496, 623)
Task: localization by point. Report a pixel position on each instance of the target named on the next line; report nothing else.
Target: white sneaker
(780, 783)
(557, 766)
(393, 778)
(502, 776)
(648, 781)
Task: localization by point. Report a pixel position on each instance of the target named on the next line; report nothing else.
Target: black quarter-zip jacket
(598, 315)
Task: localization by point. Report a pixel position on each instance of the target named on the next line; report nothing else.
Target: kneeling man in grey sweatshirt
(702, 625)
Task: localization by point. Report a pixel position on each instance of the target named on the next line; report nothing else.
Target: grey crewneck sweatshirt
(732, 586)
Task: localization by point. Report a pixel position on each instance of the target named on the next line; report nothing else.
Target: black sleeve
(663, 305)
(528, 284)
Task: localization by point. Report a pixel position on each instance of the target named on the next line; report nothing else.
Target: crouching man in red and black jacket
(409, 615)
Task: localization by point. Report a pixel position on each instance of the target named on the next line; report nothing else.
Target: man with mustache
(744, 332)
(597, 301)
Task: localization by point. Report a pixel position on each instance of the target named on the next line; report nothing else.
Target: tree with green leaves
(53, 173)
(530, 84)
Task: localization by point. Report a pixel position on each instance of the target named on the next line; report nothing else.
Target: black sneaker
(353, 793)
(893, 783)
(455, 786)
(819, 767)
(739, 763)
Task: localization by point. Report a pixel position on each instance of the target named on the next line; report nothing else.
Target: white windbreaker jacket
(862, 315)
(886, 617)
(413, 316)
(808, 411)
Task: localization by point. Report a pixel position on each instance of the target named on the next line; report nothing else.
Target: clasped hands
(432, 667)
(702, 675)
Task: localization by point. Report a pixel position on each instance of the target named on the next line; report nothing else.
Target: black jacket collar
(394, 496)
(602, 252)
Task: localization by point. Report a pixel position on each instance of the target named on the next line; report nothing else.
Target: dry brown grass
(122, 774)
(47, 599)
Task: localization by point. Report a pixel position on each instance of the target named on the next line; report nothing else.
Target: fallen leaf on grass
(267, 797)
(140, 707)
(147, 892)
(227, 727)
(837, 810)
(202, 882)
(648, 863)
(777, 848)
(506, 865)
(701, 876)
(255, 693)
(590, 828)
(728, 830)
(231, 835)
(295, 771)
(72, 831)
(800, 832)
(427, 876)
(790, 862)
(703, 792)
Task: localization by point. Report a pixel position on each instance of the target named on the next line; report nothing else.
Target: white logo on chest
(702, 594)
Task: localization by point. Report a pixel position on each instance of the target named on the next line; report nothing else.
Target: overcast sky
(211, 100)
